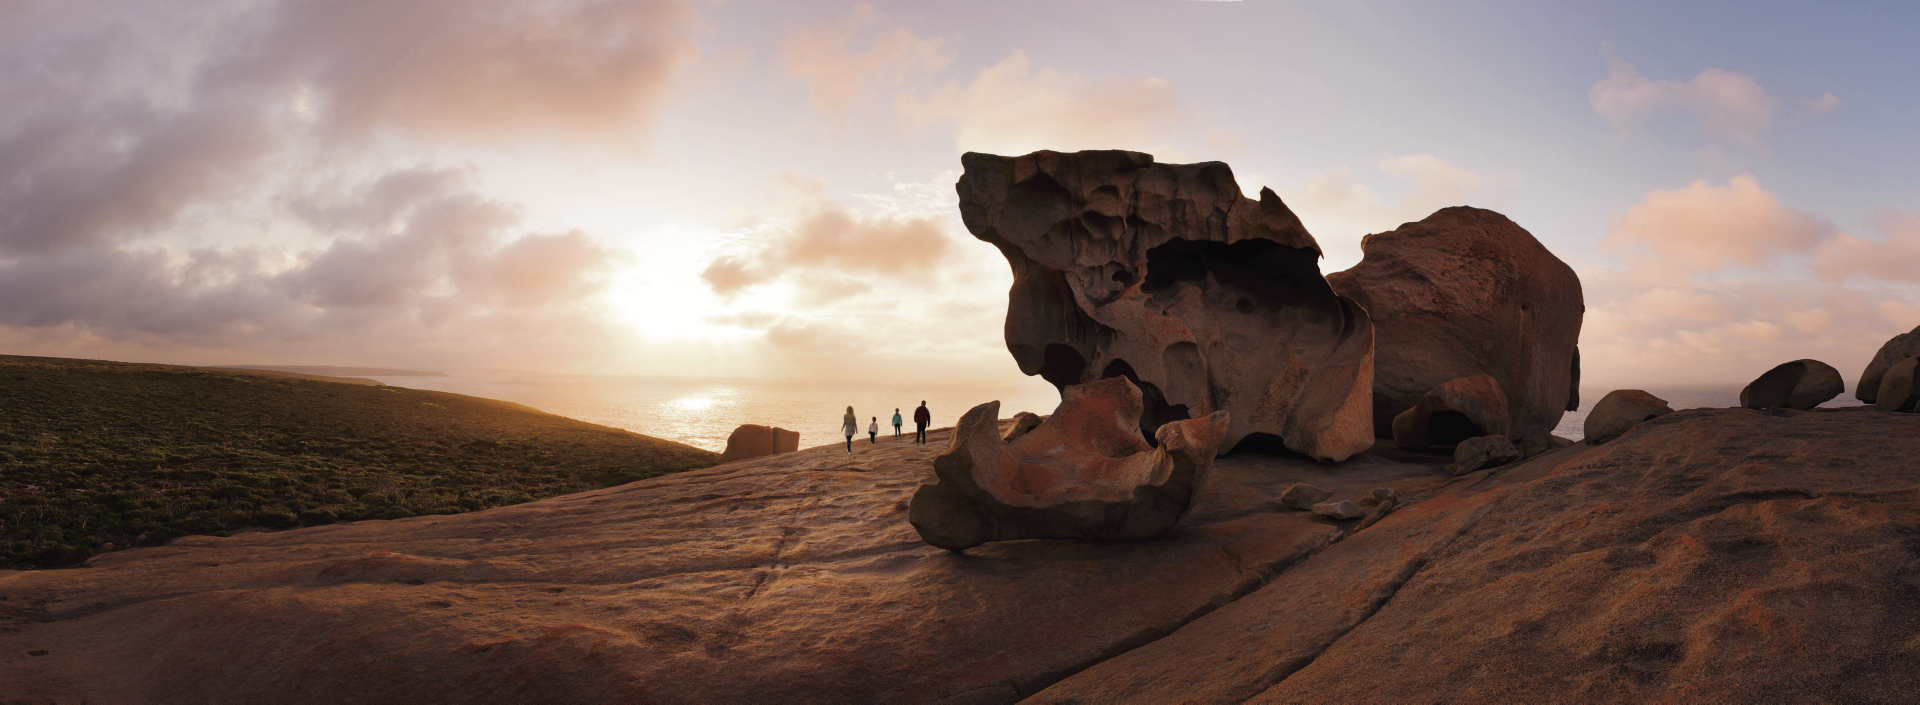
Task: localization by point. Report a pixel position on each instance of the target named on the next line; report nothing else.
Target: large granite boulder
(1900, 347)
(1801, 384)
(1085, 473)
(1468, 292)
(1620, 410)
(1166, 275)
(754, 440)
(1897, 390)
(1459, 409)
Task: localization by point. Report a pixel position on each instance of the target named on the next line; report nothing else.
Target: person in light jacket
(873, 431)
(896, 423)
(851, 425)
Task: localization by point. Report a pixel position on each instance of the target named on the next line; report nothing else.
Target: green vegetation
(96, 456)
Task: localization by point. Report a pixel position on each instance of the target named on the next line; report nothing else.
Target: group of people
(921, 417)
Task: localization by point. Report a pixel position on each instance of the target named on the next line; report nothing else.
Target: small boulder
(1468, 407)
(1338, 511)
(754, 440)
(1022, 423)
(1386, 495)
(1900, 347)
(1897, 390)
(1302, 496)
(1801, 384)
(1084, 473)
(1483, 452)
(1620, 410)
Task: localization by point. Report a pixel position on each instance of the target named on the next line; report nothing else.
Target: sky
(765, 189)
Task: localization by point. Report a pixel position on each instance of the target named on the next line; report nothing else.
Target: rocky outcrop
(1166, 275)
(1455, 411)
(754, 441)
(1801, 384)
(1897, 389)
(1085, 473)
(1483, 452)
(1900, 347)
(788, 578)
(1699, 559)
(1619, 411)
(1022, 423)
(1303, 496)
(1462, 293)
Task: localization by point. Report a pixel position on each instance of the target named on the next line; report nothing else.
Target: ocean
(702, 412)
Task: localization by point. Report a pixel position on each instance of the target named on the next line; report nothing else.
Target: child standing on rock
(873, 431)
(896, 422)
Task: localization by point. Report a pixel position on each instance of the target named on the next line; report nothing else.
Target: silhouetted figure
(873, 431)
(851, 425)
(921, 417)
(896, 423)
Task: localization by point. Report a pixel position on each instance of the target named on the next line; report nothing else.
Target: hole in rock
(1263, 273)
(1448, 427)
(1062, 365)
(1263, 444)
(1124, 277)
(1157, 411)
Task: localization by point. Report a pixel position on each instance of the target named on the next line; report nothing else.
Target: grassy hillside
(96, 456)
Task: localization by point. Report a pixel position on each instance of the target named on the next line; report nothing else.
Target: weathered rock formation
(1022, 423)
(1483, 452)
(1468, 292)
(1459, 409)
(1619, 411)
(1085, 473)
(1166, 275)
(1897, 389)
(1303, 496)
(754, 441)
(1898, 348)
(1342, 510)
(1801, 384)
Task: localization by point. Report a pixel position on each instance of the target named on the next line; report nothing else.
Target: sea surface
(1572, 426)
(702, 412)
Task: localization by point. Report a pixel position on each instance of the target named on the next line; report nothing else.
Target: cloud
(1727, 105)
(1892, 258)
(825, 249)
(1014, 108)
(456, 67)
(1706, 227)
(230, 175)
(1338, 208)
(1717, 295)
(838, 76)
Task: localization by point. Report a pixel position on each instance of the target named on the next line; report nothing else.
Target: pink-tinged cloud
(829, 252)
(1895, 257)
(1728, 105)
(857, 55)
(1014, 108)
(471, 67)
(1706, 227)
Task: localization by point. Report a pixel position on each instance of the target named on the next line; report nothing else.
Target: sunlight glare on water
(702, 412)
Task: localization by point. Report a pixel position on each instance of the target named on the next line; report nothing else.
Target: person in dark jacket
(921, 417)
